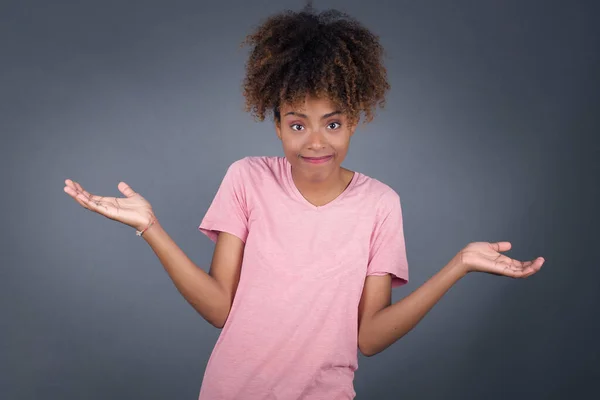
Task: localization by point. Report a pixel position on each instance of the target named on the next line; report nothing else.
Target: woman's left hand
(486, 257)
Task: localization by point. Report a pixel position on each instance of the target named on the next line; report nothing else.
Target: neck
(323, 191)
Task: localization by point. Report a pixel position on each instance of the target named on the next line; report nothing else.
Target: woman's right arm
(210, 294)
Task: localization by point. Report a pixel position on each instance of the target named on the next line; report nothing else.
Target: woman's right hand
(132, 210)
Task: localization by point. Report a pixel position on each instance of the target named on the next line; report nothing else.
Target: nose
(316, 140)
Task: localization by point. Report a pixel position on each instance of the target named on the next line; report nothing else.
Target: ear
(278, 129)
(352, 129)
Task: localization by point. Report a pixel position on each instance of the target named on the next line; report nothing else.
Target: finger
(500, 246)
(71, 188)
(534, 264)
(75, 195)
(519, 264)
(84, 205)
(537, 263)
(97, 205)
(88, 198)
(69, 183)
(126, 189)
(84, 200)
(503, 267)
(526, 273)
(511, 262)
(512, 273)
(529, 273)
(525, 266)
(530, 268)
(71, 191)
(77, 186)
(80, 189)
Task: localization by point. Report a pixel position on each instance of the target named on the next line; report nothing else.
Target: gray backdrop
(489, 133)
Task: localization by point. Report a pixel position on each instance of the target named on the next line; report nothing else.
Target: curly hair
(330, 54)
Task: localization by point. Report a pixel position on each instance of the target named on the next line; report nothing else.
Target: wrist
(154, 231)
(141, 230)
(458, 267)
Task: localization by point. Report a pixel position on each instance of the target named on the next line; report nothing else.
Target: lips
(317, 160)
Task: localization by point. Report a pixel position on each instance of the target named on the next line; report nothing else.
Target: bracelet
(152, 221)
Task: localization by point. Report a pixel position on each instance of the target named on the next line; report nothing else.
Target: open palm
(487, 257)
(132, 210)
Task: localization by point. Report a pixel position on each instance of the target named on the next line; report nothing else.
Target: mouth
(317, 160)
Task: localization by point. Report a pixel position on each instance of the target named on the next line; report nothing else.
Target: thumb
(501, 246)
(126, 189)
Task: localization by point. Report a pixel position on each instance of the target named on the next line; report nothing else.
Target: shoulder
(379, 195)
(257, 165)
(253, 172)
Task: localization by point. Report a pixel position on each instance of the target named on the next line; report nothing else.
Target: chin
(317, 173)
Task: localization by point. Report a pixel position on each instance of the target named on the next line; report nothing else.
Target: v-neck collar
(303, 200)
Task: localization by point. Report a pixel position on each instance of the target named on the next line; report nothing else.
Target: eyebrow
(305, 116)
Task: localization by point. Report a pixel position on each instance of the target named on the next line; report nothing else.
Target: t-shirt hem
(212, 229)
(397, 279)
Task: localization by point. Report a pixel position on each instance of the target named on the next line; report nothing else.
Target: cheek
(341, 142)
(290, 146)
(295, 139)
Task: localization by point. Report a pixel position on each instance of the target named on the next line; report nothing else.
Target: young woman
(307, 252)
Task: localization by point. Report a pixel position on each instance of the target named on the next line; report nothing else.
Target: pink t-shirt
(292, 331)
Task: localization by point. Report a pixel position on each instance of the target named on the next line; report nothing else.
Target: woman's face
(315, 137)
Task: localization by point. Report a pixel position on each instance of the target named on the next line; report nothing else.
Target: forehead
(310, 105)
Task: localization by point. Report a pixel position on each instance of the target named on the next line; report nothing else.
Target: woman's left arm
(382, 323)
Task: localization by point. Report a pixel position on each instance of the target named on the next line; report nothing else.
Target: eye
(293, 126)
(334, 125)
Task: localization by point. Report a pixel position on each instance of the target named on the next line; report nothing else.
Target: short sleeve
(228, 211)
(388, 249)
